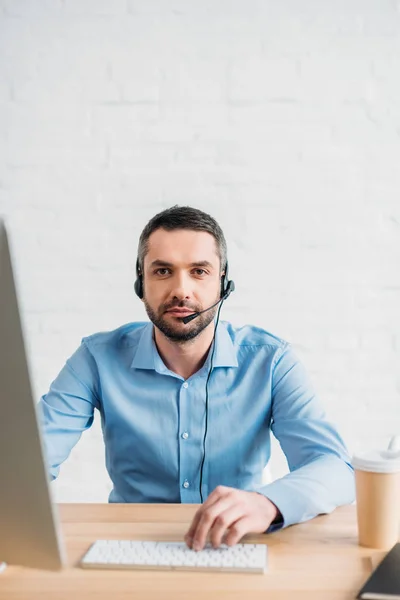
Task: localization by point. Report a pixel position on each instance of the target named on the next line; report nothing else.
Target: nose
(181, 286)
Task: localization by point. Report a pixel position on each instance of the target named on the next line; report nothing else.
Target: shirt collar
(225, 352)
(144, 356)
(147, 356)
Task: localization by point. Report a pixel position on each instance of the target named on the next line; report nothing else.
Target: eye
(200, 272)
(158, 271)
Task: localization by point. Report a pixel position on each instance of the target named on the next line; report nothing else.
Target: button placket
(187, 448)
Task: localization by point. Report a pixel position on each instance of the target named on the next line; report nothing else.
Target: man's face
(181, 276)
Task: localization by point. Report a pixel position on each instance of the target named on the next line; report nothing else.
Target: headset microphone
(230, 288)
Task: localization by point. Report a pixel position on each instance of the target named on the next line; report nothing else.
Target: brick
(263, 79)
(31, 8)
(94, 8)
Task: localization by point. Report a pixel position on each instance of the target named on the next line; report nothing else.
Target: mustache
(181, 304)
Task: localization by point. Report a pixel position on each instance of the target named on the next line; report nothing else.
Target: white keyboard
(133, 554)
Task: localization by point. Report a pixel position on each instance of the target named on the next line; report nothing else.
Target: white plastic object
(380, 461)
(135, 554)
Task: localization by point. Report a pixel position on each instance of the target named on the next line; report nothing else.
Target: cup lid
(380, 461)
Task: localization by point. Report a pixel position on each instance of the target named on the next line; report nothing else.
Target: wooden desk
(315, 560)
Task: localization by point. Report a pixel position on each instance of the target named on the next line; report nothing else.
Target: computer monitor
(29, 526)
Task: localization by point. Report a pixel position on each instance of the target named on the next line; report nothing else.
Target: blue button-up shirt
(153, 421)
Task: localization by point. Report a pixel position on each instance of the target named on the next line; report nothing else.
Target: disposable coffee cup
(377, 475)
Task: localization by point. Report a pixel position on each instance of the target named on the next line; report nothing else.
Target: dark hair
(183, 217)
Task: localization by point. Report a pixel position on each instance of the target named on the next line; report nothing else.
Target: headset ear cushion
(139, 287)
(229, 288)
(223, 279)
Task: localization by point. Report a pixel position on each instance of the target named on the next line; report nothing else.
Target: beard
(179, 332)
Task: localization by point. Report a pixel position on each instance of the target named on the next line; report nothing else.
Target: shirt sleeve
(68, 408)
(321, 477)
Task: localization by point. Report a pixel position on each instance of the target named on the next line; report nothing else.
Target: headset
(227, 287)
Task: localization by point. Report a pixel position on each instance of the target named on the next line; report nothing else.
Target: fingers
(213, 498)
(238, 530)
(222, 524)
(207, 520)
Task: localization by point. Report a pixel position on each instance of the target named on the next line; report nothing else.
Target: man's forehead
(179, 244)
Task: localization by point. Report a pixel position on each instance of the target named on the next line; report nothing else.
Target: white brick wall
(282, 119)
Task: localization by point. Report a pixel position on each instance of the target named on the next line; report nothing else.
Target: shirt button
(185, 435)
(185, 385)
(186, 484)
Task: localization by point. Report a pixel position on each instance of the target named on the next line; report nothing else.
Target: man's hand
(230, 513)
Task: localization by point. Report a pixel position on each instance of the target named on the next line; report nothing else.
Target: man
(187, 407)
